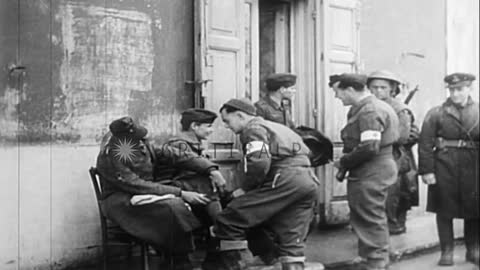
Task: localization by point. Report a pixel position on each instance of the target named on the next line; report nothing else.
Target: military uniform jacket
(403, 154)
(185, 144)
(456, 168)
(368, 118)
(125, 173)
(269, 146)
(270, 110)
(137, 175)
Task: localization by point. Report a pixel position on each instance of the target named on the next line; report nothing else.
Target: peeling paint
(8, 109)
(44, 6)
(158, 24)
(108, 53)
(55, 40)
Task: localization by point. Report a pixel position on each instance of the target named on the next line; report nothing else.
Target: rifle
(411, 94)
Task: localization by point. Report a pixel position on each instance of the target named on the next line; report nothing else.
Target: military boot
(293, 266)
(177, 262)
(471, 240)
(227, 255)
(445, 235)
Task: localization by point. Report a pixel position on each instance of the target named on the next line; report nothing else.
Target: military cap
(333, 79)
(349, 78)
(385, 75)
(242, 104)
(277, 80)
(198, 115)
(321, 147)
(458, 79)
(126, 127)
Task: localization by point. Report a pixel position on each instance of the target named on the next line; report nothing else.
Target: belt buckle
(461, 143)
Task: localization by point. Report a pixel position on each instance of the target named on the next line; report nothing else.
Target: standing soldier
(276, 105)
(280, 191)
(448, 163)
(404, 193)
(370, 132)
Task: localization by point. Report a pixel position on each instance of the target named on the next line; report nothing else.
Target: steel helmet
(385, 75)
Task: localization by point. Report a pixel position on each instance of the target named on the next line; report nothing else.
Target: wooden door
(340, 54)
(226, 67)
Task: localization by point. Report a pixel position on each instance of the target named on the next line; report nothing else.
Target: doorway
(274, 39)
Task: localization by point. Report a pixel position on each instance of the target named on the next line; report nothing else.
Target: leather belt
(440, 143)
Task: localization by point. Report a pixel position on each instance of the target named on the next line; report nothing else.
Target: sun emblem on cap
(124, 150)
(455, 79)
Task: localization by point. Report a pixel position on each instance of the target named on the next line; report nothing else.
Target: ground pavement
(337, 247)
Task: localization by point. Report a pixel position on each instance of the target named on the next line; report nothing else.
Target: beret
(198, 115)
(333, 79)
(458, 79)
(242, 104)
(351, 78)
(275, 81)
(126, 127)
(321, 147)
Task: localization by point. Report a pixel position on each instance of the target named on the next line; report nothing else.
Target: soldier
(280, 191)
(448, 163)
(196, 127)
(276, 105)
(368, 136)
(404, 193)
(133, 199)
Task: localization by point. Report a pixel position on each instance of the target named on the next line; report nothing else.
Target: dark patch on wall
(87, 63)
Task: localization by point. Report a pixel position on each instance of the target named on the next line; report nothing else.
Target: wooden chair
(113, 234)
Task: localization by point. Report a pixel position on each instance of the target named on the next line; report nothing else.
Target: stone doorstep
(395, 256)
(256, 264)
(278, 266)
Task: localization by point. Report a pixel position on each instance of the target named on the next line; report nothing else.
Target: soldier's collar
(355, 108)
(273, 103)
(449, 102)
(189, 136)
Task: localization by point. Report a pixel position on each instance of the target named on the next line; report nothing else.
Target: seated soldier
(161, 217)
(196, 127)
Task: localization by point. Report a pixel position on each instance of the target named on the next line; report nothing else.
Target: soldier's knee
(176, 203)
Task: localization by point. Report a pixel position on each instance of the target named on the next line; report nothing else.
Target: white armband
(255, 146)
(370, 135)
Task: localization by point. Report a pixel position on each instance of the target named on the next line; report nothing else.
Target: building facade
(70, 67)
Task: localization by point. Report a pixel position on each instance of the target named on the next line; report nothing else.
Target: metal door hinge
(198, 82)
(13, 69)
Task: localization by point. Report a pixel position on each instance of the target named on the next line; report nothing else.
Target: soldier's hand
(336, 163)
(194, 197)
(218, 182)
(414, 133)
(429, 179)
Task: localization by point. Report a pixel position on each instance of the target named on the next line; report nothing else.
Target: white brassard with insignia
(255, 146)
(370, 135)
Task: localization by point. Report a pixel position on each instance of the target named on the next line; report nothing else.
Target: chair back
(97, 186)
